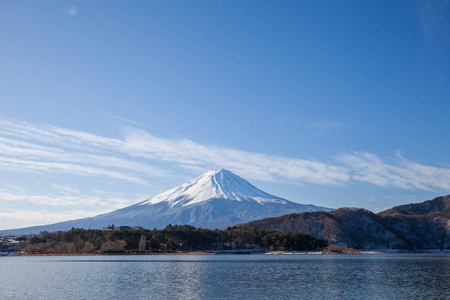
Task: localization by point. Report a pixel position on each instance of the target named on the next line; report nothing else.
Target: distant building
(110, 227)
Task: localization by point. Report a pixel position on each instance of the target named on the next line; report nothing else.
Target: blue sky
(334, 103)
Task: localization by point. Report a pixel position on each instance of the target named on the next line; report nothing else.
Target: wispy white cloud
(188, 154)
(122, 119)
(73, 152)
(60, 203)
(61, 200)
(72, 11)
(66, 196)
(400, 173)
(20, 165)
(67, 151)
(42, 133)
(132, 158)
(82, 138)
(18, 218)
(66, 189)
(31, 151)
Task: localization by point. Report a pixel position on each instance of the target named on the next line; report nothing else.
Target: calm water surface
(376, 276)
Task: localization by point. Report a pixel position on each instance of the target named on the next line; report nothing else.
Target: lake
(350, 276)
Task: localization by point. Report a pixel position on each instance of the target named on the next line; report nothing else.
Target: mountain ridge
(359, 228)
(436, 205)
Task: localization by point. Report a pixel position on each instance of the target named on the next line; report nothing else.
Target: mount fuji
(216, 199)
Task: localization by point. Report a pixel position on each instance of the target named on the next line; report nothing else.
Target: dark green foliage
(37, 239)
(170, 239)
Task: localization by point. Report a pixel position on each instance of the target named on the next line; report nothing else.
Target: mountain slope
(216, 199)
(221, 184)
(360, 228)
(437, 205)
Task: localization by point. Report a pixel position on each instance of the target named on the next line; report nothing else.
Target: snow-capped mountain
(216, 199)
(221, 184)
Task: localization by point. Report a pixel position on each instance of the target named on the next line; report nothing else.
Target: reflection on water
(380, 276)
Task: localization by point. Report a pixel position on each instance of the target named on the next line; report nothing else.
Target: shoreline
(103, 254)
(241, 252)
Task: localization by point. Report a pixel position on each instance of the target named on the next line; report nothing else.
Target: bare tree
(142, 243)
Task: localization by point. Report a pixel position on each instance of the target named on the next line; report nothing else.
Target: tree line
(176, 238)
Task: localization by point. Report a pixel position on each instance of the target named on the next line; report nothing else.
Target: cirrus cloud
(137, 156)
(54, 149)
(399, 173)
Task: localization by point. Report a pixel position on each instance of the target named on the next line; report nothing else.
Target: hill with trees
(439, 205)
(418, 226)
(170, 239)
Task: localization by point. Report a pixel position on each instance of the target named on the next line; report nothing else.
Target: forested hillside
(170, 239)
(440, 205)
(418, 226)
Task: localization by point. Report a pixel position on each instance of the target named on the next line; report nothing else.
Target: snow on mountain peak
(218, 184)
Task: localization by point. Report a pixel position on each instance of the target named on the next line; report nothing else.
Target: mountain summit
(216, 199)
(220, 184)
